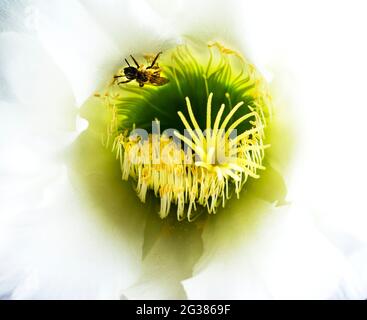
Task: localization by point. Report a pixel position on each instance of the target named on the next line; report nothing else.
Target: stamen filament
(178, 181)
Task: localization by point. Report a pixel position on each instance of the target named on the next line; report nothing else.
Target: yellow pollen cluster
(203, 168)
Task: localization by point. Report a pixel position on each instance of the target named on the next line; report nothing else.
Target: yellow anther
(206, 182)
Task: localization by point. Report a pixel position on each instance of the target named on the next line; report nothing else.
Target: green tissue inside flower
(210, 87)
(193, 73)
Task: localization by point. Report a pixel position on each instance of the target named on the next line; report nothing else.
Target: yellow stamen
(187, 183)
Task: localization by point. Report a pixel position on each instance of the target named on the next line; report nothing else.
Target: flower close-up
(173, 150)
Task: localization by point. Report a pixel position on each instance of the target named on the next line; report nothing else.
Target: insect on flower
(143, 75)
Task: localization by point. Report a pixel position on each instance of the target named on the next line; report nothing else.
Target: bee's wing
(160, 81)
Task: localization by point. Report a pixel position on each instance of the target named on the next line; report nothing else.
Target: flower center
(209, 146)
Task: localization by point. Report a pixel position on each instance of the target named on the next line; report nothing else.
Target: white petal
(171, 252)
(13, 15)
(255, 252)
(321, 70)
(204, 20)
(134, 25)
(30, 77)
(354, 284)
(40, 119)
(58, 247)
(77, 44)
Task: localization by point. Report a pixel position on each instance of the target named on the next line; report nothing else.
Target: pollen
(203, 173)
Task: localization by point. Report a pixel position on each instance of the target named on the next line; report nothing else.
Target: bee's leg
(136, 62)
(154, 61)
(126, 81)
(116, 78)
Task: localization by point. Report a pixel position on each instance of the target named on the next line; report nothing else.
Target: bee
(149, 75)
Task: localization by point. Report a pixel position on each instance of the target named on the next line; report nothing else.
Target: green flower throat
(196, 140)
